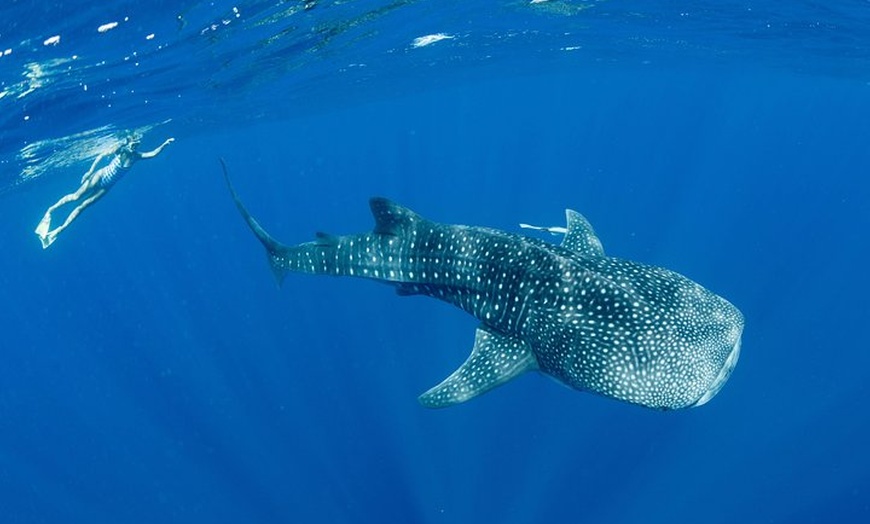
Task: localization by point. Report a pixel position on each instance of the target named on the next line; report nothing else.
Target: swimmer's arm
(152, 154)
(93, 166)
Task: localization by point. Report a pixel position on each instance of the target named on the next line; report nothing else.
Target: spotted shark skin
(620, 329)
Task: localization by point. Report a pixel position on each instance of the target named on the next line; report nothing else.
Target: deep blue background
(153, 372)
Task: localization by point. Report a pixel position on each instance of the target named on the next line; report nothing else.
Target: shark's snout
(722, 377)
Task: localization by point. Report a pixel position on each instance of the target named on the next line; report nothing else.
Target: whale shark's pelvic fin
(494, 360)
(274, 248)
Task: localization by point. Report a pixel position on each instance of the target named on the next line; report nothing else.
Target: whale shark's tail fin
(274, 249)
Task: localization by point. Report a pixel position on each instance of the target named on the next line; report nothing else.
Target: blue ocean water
(153, 372)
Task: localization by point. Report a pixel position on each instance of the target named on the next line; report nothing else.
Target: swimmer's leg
(553, 230)
(90, 172)
(66, 199)
(49, 237)
(45, 223)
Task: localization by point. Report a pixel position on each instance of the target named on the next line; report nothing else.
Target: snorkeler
(95, 184)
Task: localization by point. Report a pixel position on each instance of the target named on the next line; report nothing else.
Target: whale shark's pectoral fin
(581, 238)
(494, 360)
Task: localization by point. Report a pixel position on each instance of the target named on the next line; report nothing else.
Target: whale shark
(620, 329)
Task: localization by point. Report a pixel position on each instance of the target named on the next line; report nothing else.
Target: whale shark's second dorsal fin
(580, 237)
(391, 218)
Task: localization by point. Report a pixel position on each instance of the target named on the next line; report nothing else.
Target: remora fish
(624, 330)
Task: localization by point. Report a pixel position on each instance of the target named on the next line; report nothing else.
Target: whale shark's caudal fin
(274, 248)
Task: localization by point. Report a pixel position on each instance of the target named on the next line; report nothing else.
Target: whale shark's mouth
(722, 377)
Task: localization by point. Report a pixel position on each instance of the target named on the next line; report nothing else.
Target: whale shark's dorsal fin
(391, 218)
(580, 237)
(494, 360)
